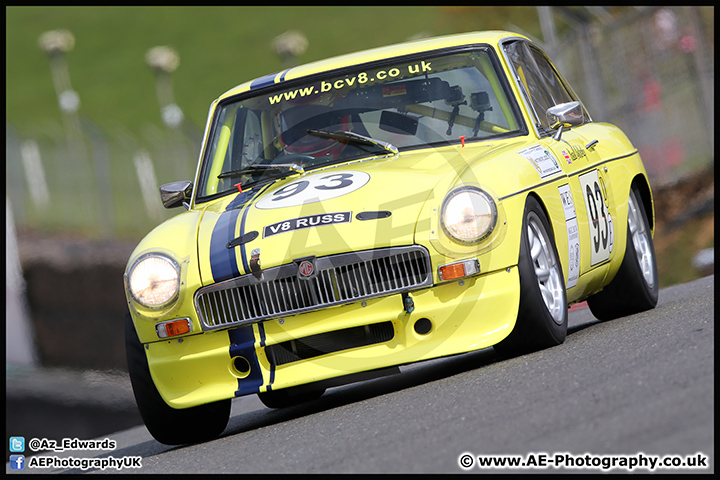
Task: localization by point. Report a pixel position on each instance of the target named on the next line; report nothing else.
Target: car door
(585, 197)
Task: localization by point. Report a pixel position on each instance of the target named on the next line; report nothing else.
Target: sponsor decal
(567, 157)
(577, 152)
(573, 235)
(542, 159)
(348, 82)
(307, 222)
(573, 154)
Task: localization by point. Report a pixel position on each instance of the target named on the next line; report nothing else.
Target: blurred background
(104, 104)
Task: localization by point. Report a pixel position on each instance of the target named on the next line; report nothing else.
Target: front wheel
(542, 316)
(635, 286)
(166, 424)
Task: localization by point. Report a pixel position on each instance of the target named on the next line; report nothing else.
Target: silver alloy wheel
(547, 270)
(640, 240)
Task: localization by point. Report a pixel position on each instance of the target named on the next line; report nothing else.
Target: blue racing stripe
(223, 261)
(243, 250)
(240, 200)
(261, 328)
(263, 81)
(242, 344)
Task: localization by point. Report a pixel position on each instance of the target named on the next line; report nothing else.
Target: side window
(244, 142)
(252, 144)
(540, 81)
(247, 140)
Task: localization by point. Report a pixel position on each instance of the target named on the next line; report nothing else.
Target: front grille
(323, 343)
(341, 279)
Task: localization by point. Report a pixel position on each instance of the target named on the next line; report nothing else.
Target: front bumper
(465, 315)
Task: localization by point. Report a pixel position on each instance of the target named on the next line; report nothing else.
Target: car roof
(365, 56)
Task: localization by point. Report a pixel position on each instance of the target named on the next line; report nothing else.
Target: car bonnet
(348, 207)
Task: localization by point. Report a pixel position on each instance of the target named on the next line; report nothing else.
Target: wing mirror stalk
(565, 115)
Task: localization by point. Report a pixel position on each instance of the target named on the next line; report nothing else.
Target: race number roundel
(600, 221)
(314, 188)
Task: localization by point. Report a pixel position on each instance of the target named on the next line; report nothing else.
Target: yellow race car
(376, 209)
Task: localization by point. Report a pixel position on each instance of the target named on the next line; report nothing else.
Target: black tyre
(635, 286)
(166, 424)
(288, 397)
(542, 316)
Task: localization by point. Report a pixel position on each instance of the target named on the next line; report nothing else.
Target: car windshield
(373, 111)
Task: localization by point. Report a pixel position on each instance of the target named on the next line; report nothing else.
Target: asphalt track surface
(639, 386)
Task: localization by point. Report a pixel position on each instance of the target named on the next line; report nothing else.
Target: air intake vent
(323, 343)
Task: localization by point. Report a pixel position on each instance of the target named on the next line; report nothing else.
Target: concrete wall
(74, 291)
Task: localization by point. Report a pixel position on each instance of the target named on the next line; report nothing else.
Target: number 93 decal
(314, 188)
(599, 219)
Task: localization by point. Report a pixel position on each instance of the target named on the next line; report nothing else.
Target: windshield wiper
(293, 167)
(351, 137)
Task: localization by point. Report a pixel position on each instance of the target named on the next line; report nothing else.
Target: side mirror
(176, 193)
(565, 115)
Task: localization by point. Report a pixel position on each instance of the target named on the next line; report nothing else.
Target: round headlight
(154, 281)
(468, 214)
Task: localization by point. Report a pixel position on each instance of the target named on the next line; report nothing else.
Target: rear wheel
(635, 286)
(166, 424)
(542, 316)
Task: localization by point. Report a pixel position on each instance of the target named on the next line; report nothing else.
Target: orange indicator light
(173, 328)
(178, 327)
(459, 269)
(454, 270)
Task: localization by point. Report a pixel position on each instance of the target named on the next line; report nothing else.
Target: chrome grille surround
(341, 279)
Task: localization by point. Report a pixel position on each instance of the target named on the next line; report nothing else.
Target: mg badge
(306, 268)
